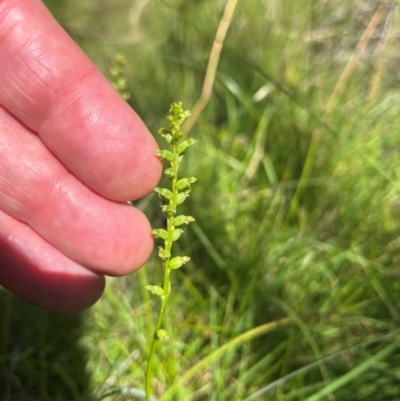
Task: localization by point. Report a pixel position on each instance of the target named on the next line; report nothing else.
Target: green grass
(296, 206)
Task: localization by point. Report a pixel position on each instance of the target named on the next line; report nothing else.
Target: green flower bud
(185, 145)
(178, 262)
(181, 197)
(170, 172)
(168, 138)
(168, 210)
(160, 233)
(176, 234)
(163, 253)
(177, 133)
(177, 114)
(155, 289)
(165, 134)
(164, 192)
(185, 182)
(120, 59)
(179, 220)
(120, 84)
(125, 95)
(165, 154)
(162, 335)
(114, 72)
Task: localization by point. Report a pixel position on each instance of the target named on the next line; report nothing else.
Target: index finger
(50, 85)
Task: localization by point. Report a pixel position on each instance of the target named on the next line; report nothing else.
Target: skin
(72, 152)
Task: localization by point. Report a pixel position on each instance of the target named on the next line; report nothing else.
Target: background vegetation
(297, 211)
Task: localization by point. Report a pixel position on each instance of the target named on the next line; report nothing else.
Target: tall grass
(293, 289)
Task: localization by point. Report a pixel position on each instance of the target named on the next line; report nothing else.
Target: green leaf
(155, 289)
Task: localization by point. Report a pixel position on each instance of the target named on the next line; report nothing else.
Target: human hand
(71, 153)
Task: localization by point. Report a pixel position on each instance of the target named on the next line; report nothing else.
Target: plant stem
(164, 301)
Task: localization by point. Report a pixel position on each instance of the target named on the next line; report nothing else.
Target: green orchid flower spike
(171, 197)
(119, 79)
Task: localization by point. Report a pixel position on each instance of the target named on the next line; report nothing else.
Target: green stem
(153, 348)
(161, 314)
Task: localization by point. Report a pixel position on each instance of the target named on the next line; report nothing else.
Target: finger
(107, 236)
(38, 272)
(53, 88)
